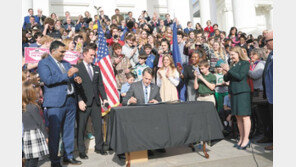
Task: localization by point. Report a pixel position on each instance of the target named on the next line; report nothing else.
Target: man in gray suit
(142, 92)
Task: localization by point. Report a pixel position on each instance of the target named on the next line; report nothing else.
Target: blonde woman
(240, 93)
(69, 44)
(219, 52)
(168, 79)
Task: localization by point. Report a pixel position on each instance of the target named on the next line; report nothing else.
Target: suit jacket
(188, 73)
(90, 90)
(55, 82)
(29, 26)
(187, 30)
(136, 90)
(237, 76)
(41, 19)
(27, 20)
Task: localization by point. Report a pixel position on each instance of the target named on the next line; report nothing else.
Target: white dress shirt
(72, 87)
(86, 66)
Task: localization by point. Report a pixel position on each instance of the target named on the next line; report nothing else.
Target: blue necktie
(64, 71)
(89, 72)
(146, 94)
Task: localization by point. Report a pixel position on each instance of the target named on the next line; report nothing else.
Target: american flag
(103, 60)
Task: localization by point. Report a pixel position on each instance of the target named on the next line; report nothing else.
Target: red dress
(209, 29)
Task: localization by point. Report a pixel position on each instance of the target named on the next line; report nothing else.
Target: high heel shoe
(236, 145)
(243, 148)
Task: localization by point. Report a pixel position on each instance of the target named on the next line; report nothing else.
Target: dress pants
(61, 119)
(94, 111)
(210, 98)
(265, 115)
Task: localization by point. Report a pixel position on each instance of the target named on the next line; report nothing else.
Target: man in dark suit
(32, 24)
(89, 93)
(142, 92)
(168, 21)
(59, 101)
(41, 17)
(188, 28)
(27, 18)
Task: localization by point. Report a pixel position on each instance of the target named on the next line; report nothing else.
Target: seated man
(142, 92)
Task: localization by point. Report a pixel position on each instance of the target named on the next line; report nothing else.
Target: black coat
(90, 90)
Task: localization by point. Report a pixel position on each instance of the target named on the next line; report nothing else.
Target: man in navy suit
(188, 28)
(27, 18)
(59, 101)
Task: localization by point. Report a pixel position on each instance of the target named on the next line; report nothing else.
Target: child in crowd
(221, 89)
(125, 87)
(225, 114)
(140, 67)
(205, 83)
(34, 132)
(151, 56)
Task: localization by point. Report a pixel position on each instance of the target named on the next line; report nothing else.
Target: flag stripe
(107, 74)
(110, 89)
(111, 86)
(104, 62)
(109, 65)
(108, 71)
(110, 95)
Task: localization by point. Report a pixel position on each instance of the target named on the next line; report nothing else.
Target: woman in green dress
(240, 93)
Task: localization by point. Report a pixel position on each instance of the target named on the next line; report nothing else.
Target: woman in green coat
(239, 91)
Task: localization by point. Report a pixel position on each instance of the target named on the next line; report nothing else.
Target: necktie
(89, 72)
(146, 94)
(64, 71)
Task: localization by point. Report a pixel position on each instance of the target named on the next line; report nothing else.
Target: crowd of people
(234, 70)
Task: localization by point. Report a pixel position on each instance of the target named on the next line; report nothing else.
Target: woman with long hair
(69, 44)
(219, 51)
(198, 28)
(143, 39)
(34, 133)
(233, 35)
(240, 93)
(168, 79)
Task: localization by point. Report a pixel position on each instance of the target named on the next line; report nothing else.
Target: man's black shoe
(150, 153)
(72, 161)
(162, 150)
(102, 152)
(121, 156)
(264, 140)
(56, 165)
(83, 156)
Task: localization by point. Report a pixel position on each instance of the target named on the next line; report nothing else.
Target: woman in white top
(168, 79)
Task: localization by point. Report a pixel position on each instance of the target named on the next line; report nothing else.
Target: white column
(270, 19)
(170, 6)
(108, 6)
(43, 5)
(205, 12)
(140, 5)
(213, 11)
(244, 15)
(182, 10)
(228, 16)
(26, 4)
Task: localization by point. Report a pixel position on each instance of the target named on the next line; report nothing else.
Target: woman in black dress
(240, 93)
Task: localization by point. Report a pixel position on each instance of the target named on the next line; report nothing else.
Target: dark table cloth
(135, 128)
